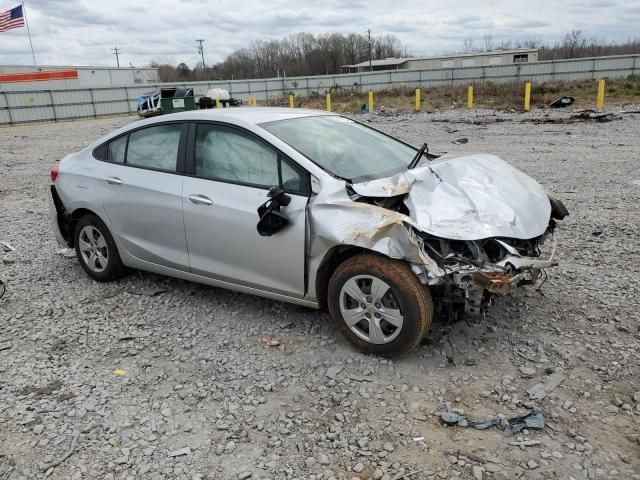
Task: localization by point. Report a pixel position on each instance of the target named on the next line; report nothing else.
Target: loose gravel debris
(202, 377)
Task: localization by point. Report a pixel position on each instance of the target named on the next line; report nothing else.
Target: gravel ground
(120, 380)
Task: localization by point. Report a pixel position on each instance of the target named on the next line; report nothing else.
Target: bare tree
(488, 43)
(468, 45)
(572, 40)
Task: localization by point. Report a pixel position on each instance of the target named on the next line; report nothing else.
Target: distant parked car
(311, 208)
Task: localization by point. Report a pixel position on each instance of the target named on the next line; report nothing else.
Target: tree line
(307, 54)
(295, 55)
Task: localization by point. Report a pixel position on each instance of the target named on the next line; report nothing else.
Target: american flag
(13, 18)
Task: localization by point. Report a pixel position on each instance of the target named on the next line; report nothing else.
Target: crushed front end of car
(472, 227)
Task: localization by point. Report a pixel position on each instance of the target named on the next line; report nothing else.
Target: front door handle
(200, 200)
(113, 181)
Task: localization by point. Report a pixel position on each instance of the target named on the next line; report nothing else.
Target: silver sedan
(311, 208)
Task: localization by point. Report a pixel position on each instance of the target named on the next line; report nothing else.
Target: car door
(232, 172)
(141, 192)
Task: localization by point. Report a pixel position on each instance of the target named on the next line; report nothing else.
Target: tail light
(54, 173)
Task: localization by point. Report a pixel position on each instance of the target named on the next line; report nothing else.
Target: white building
(46, 77)
(457, 60)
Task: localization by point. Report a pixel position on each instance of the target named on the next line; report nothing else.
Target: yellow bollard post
(254, 101)
(328, 102)
(417, 99)
(290, 101)
(470, 97)
(527, 96)
(600, 94)
(217, 103)
(370, 101)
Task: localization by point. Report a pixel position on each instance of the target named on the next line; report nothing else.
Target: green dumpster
(173, 104)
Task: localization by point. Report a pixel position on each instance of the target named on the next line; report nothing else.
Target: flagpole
(24, 12)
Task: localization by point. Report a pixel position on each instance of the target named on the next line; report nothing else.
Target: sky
(83, 32)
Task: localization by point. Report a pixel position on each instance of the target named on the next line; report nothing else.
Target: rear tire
(96, 250)
(379, 305)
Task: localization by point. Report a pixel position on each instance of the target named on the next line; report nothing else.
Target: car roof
(246, 115)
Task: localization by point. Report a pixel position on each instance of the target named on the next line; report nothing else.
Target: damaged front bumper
(478, 283)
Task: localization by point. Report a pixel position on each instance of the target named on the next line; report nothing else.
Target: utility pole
(116, 52)
(369, 36)
(201, 52)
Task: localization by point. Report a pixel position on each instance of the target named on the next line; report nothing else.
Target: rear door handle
(113, 181)
(200, 200)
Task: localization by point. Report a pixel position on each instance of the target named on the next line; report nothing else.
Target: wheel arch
(331, 260)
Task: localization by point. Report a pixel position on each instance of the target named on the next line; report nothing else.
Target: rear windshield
(343, 147)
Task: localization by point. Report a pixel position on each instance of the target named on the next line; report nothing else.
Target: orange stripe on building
(39, 76)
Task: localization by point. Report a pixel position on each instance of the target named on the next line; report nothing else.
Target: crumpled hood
(468, 197)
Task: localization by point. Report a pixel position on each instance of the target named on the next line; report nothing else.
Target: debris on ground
(121, 372)
(134, 335)
(525, 443)
(533, 419)
(3, 289)
(67, 252)
(148, 292)
(180, 452)
(47, 389)
(581, 116)
(5, 346)
(562, 102)
(269, 341)
(461, 141)
(7, 247)
(542, 389)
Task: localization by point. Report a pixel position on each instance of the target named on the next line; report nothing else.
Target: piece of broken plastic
(67, 252)
(7, 247)
(180, 452)
(121, 372)
(533, 419)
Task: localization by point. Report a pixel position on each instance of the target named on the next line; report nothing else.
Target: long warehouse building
(45, 77)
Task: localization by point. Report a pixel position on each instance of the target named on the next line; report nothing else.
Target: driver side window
(227, 154)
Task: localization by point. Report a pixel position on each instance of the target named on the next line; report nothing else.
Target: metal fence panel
(34, 114)
(57, 104)
(62, 97)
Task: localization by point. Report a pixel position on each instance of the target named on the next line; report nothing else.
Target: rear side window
(117, 149)
(155, 147)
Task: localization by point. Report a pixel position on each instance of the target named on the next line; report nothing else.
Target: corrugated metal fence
(54, 105)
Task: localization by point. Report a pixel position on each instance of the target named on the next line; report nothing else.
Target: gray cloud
(84, 31)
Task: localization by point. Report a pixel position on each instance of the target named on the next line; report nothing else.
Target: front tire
(379, 305)
(96, 250)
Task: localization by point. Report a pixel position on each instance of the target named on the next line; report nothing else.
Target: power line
(116, 52)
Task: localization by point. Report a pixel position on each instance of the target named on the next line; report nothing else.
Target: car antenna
(416, 159)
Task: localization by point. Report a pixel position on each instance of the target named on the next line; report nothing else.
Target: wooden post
(328, 102)
(370, 101)
(527, 96)
(290, 101)
(470, 97)
(417, 99)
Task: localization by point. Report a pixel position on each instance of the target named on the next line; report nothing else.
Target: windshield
(343, 147)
